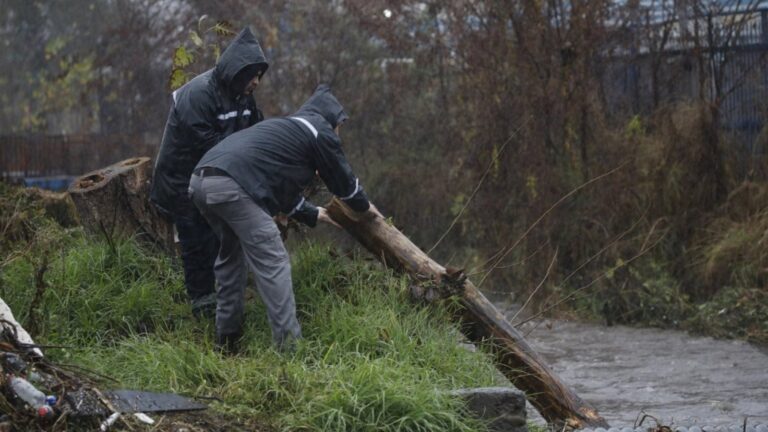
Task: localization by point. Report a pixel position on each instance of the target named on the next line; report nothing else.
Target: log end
(88, 182)
(590, 418)
(132, 162)
(99, 178)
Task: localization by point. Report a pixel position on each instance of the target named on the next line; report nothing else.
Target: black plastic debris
(130, 401)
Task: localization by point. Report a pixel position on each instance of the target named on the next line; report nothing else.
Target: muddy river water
(678, 378)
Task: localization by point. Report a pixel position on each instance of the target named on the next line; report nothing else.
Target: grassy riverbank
(734, 312)
(720, 288)
(369, 360)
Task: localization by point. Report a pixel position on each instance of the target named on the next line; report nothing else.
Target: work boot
(205, 312)
(228, 344)
(204, 308)
(288, 344)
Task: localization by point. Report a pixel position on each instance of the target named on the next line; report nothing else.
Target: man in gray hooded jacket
(204, 111)
(254, 175)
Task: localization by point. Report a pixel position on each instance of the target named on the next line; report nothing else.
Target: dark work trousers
(249, 238)
(199, 247)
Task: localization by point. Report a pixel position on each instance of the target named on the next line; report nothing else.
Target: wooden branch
(481, 321)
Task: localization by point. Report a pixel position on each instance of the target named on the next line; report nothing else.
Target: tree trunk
(481, 321)
(114, 202)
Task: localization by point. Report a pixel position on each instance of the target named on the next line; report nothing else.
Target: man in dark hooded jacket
(254, 175)
(204, 111)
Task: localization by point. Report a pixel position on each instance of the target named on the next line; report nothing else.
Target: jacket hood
(243, 52)
(325, 104)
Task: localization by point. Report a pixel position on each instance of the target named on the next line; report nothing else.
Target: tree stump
(480, 321)
(114, 202)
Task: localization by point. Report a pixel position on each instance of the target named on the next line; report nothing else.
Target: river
(678, 378)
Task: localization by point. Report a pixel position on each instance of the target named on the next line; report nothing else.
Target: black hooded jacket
(203, 112)
(276, 160)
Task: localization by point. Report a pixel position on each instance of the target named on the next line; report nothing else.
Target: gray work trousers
(248, 235)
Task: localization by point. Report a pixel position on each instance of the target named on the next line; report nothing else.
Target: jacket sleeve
(256, 115)
(304, 212)
(336, 173)
(200, 118)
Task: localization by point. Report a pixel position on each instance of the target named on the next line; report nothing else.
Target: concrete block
(502, 407)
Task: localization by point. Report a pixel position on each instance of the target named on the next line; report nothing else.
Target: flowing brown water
(678, 378)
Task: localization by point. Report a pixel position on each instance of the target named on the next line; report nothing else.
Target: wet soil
(202, 421)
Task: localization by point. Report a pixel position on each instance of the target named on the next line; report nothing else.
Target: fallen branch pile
(38, 394)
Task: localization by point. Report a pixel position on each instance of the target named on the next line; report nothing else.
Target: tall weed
(369, 359)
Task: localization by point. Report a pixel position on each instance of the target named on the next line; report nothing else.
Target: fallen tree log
(114, 202)
(481, 321)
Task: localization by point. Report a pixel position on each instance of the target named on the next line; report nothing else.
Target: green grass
(369, 360)
(733, 312)
(654, 298)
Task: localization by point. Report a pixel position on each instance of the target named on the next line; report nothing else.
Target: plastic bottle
(105, 425)
(32, 396)
(14, 363)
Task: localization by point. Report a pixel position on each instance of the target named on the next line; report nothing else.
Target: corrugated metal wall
(24, 156)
